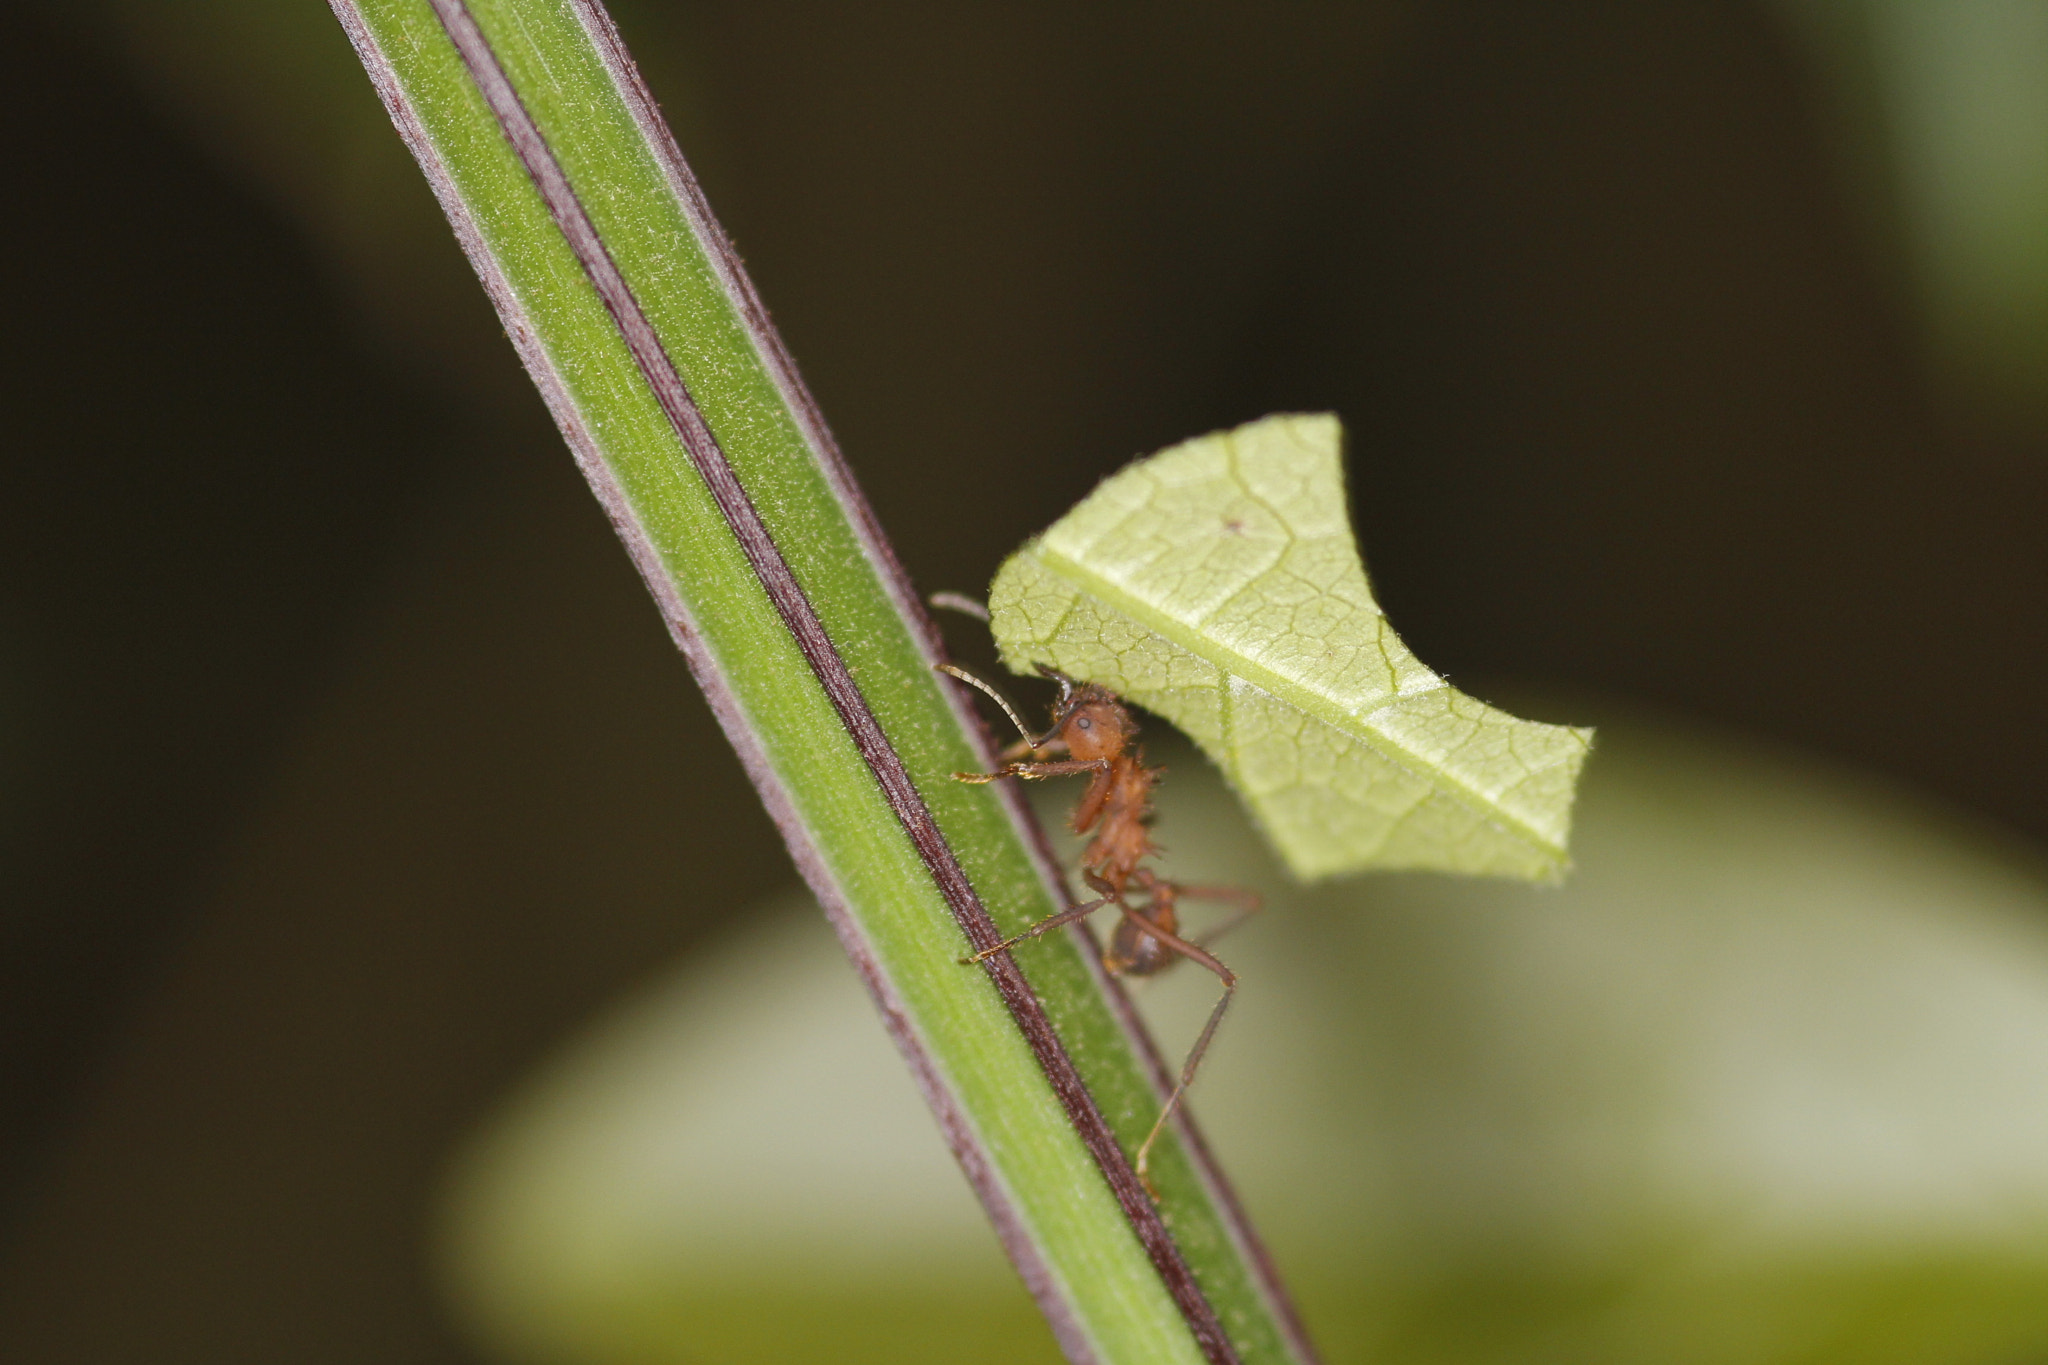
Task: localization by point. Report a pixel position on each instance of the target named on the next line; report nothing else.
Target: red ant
(1094, 728)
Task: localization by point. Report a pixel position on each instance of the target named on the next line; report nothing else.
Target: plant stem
(635, 320)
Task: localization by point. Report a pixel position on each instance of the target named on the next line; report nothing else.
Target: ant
(1093, 727)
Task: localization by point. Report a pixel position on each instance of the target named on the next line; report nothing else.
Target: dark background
(343, 764)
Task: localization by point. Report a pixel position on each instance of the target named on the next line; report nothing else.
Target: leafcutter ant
(1094, 729)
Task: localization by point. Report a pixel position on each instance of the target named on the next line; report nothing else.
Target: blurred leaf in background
(1942, 111)
(1760, 1085)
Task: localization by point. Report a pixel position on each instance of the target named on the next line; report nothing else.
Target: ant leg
(1246, 902)
(1097, 882)
(1033, 772)
(1193, 953)
(1044, 926)
(1025, 747)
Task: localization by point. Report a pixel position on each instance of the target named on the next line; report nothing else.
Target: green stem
(635, 320)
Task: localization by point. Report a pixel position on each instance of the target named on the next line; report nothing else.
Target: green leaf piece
(1218, 585)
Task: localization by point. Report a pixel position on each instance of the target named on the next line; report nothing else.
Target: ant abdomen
(1133, 952)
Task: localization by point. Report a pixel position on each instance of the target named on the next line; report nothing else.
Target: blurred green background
(1696, 362)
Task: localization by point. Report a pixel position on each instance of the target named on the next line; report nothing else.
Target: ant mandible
(1095, 730)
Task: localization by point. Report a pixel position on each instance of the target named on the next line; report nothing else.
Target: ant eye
(1085, 723)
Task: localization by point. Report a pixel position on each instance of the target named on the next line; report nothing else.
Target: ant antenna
(1068, 687)
(1000, 700)
(962, 603)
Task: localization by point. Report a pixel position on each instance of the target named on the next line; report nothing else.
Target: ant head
(1090, 718)
(1062, 706)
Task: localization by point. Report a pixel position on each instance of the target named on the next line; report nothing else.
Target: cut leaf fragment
(1218, 584)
